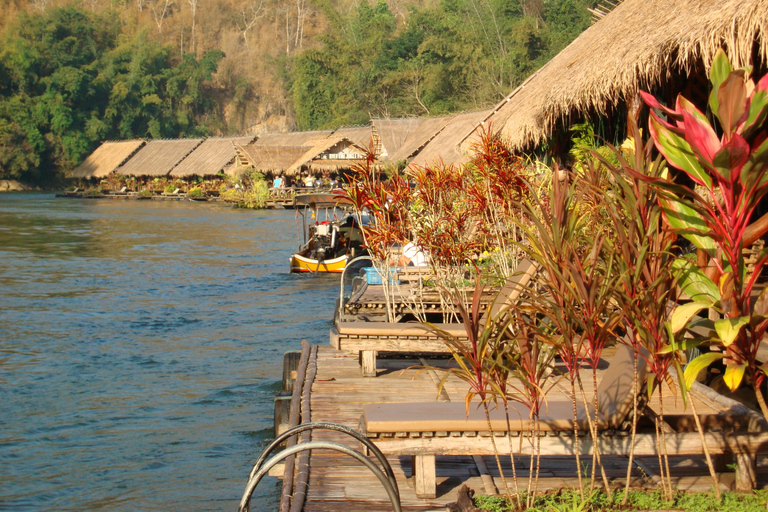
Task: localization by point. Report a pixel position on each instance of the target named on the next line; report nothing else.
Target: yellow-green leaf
(689, 223)
(734, 375)
(693, 368)
(728, 328)
(694, 283)
(683, 314)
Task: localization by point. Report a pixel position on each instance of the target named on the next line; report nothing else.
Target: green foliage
(195, 192)
(68, 80)
(455, 55)
(569, 500)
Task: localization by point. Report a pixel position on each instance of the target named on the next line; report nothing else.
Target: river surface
(141, 346)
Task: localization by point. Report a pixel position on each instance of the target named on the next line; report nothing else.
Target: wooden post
(746, 478)
(368, 363)
(424, 476)
(291, 361)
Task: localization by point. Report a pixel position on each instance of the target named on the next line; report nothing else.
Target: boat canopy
(323, 199)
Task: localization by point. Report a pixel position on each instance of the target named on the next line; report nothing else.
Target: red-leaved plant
(729, 170)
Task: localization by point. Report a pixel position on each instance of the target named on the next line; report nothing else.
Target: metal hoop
(253, 482)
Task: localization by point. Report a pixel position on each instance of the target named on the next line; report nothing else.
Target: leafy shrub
(195, 192)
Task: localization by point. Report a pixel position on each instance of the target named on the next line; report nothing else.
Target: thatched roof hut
(340, 150)
(291, 138)
(400, 139)
(107, 157)
(444, 147)
(158, 157)
(274, 159)
(640, 44)
(213, 156)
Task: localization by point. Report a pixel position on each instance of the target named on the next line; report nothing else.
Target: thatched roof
(107, 157)
(637, 45)
(358, 138)
(158, 157)
(211, 157)
(444, 147)
(402, 138)
(291, 138)
(268, 158)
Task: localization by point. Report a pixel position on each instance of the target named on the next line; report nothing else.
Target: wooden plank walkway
(339, 483)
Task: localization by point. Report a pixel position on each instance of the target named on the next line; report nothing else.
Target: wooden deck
(338, 483)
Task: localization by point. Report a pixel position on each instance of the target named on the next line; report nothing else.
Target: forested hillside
(75, 73)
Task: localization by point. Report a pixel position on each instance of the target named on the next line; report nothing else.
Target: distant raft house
(293, 154)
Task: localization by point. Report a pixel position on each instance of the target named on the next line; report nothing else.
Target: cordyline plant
(525, 357)
(579, 281)
(446, 226)
(647, 280)
(499, 186)
(386, 202)
(472, 359)
(730, 173)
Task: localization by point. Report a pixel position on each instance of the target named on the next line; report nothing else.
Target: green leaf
(678, 152)
(758, 109)
(728, 328)
(693, 368)
(755, 168)
(694, 283)
(682, 314)
(682, 217)
(721, 68)
(734, 375)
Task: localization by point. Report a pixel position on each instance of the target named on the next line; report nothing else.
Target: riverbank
(15, 186)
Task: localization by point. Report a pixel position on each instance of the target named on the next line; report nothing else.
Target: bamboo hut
(158, 157)
(213, 156)
(291, 138)
(444, 147)
(266, 159)
(662, 46)
(107, 157)
(338, 151)
(400, 139)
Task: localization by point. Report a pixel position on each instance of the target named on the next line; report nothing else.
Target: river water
(141, 346)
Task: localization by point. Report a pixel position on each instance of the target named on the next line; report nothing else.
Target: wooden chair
(424, 430)
(368, 338)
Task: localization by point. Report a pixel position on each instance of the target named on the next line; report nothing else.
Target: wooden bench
(424, 430)
(369, 338)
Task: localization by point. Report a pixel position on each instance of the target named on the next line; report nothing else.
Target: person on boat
(277, 182)
(413, 256)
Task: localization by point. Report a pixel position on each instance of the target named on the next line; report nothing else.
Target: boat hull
(301, 264)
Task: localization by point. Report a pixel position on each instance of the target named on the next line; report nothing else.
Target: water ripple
(142, 347)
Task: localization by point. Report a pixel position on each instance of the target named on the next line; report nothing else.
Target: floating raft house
(107, 157)
(340, 150)
(401, 139)
(213, 156)
(444, 147)
(158, 157)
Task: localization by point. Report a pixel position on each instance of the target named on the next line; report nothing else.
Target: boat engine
(321, 236)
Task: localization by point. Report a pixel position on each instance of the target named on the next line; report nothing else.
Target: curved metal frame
(253, 482)
(344, 272)
(326, 425)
